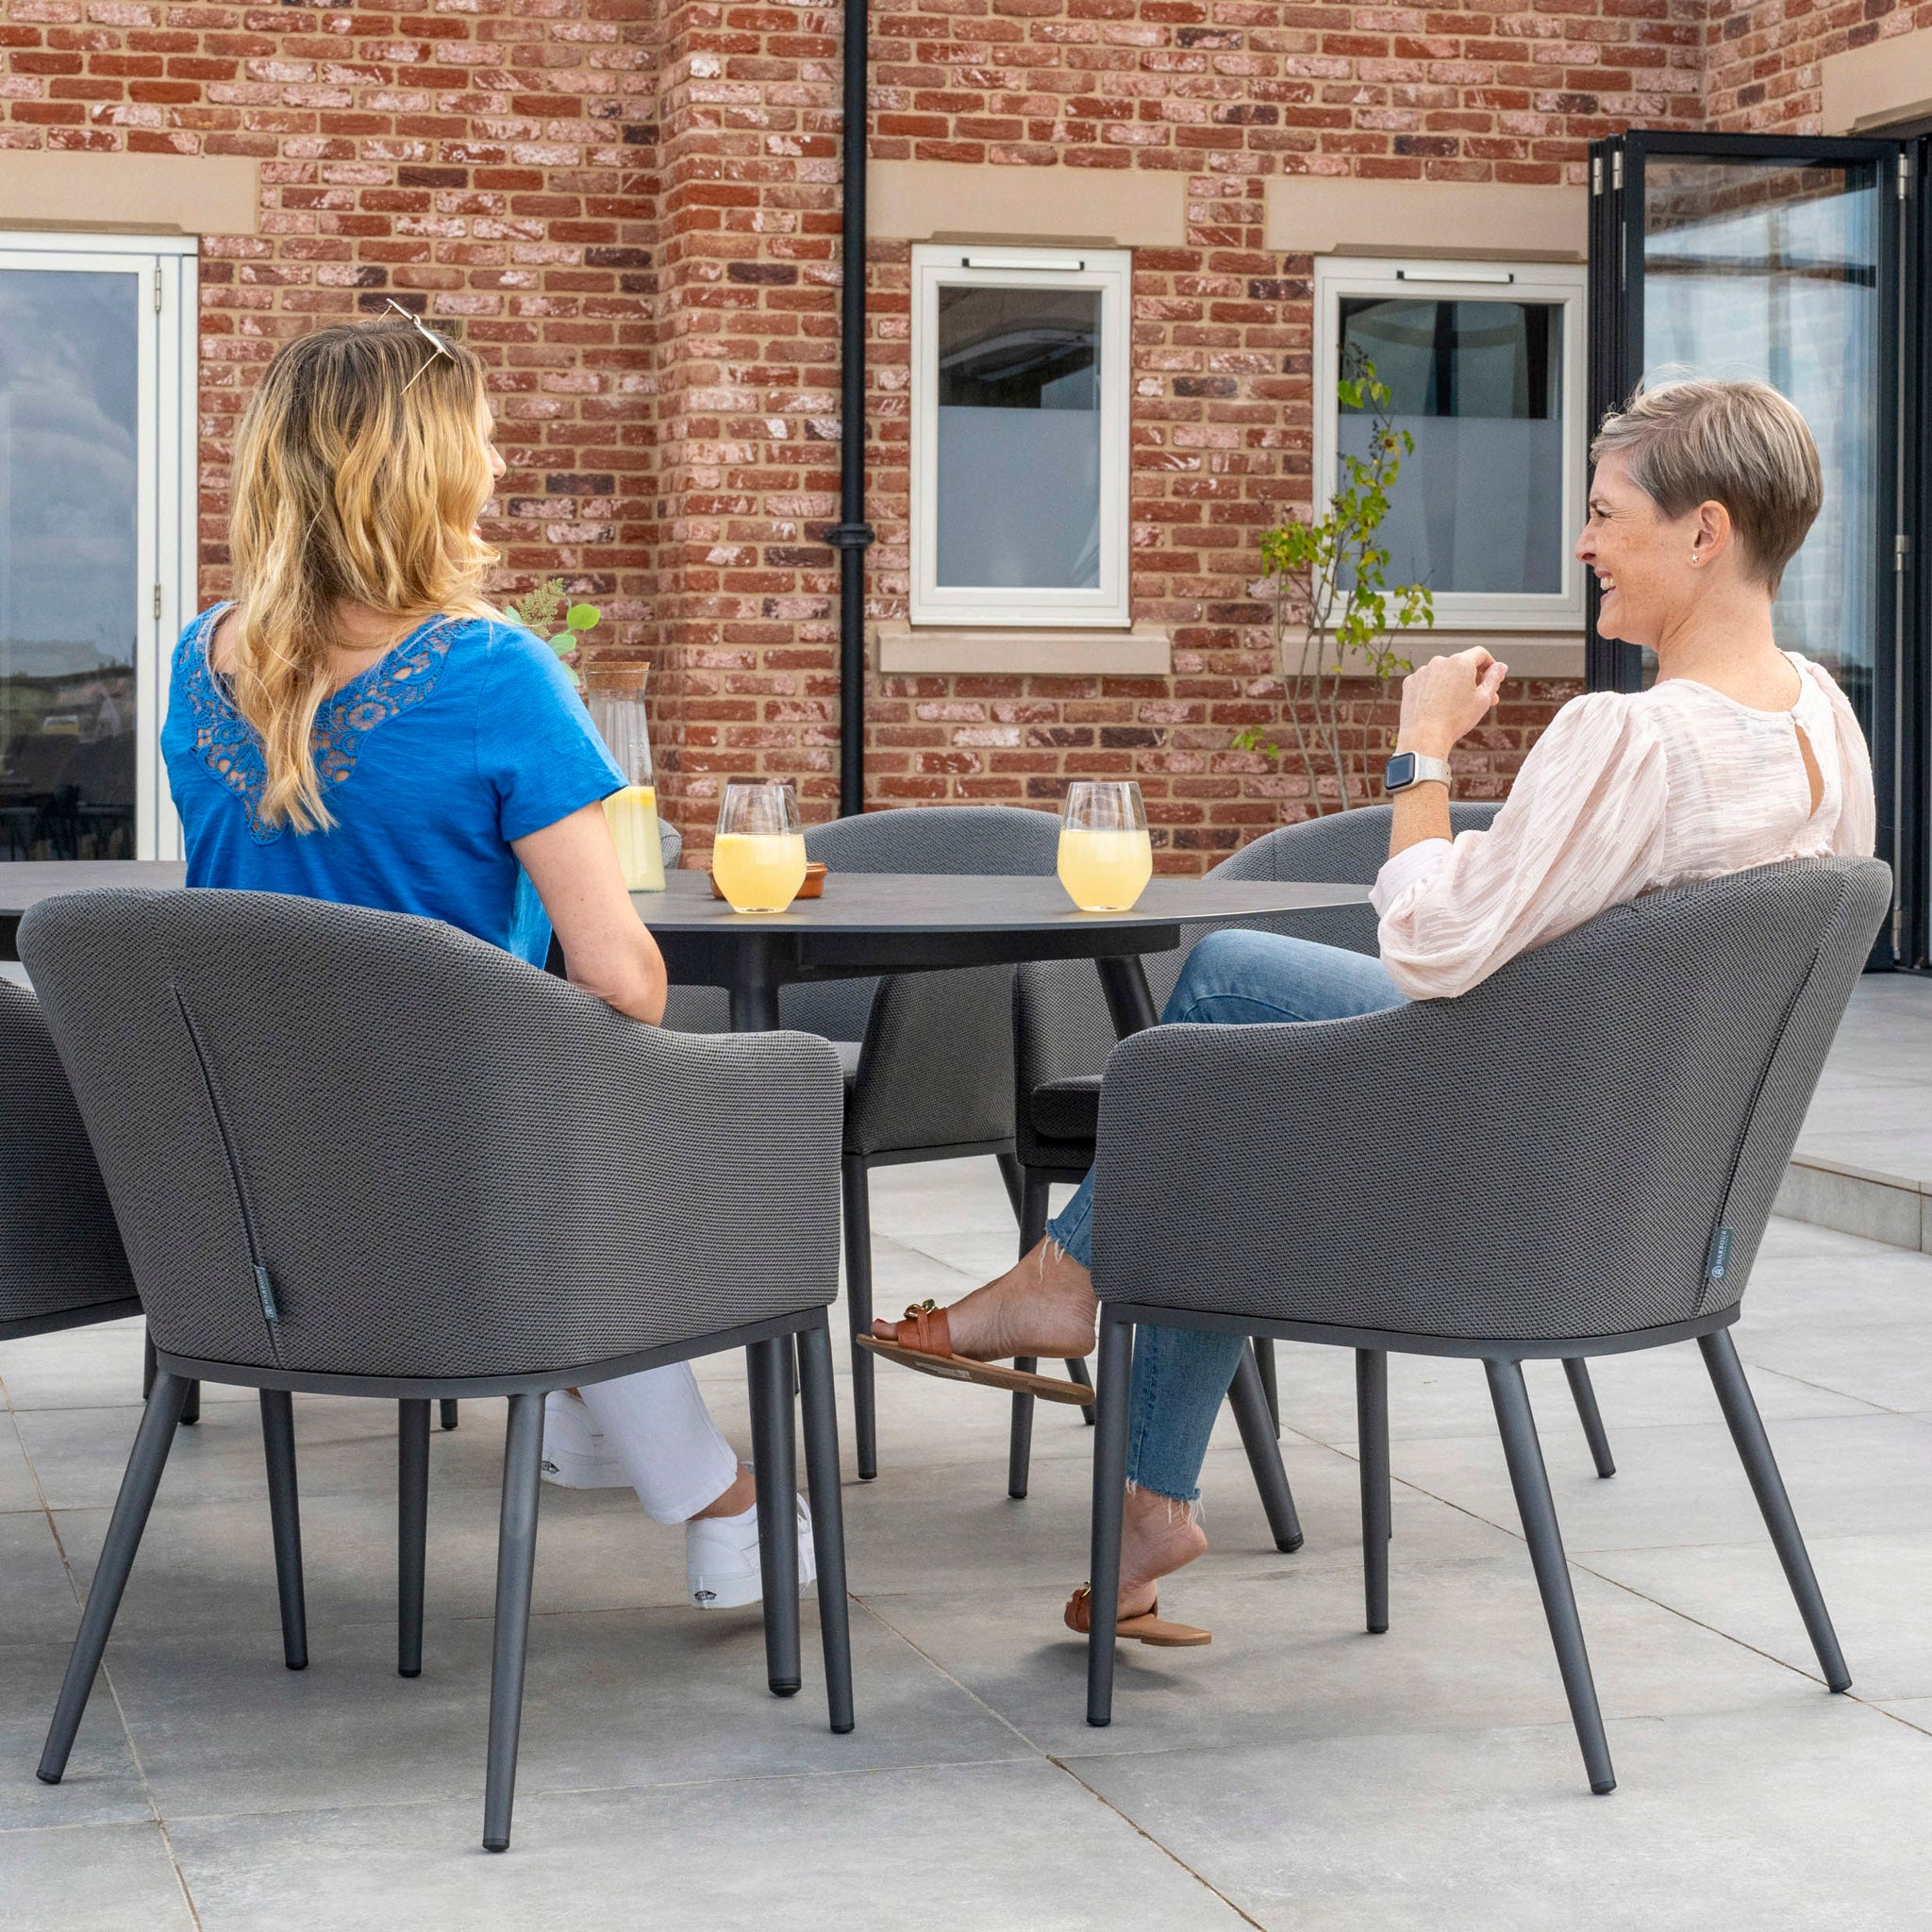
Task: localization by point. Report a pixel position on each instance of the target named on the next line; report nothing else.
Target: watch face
(1399, 771)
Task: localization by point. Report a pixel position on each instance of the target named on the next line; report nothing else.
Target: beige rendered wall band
(1888, 79)
(183, 195)
(1319, 214)
(926, 201)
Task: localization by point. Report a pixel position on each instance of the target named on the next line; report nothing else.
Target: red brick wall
(1225, 91)
(492, 169)
(1763, 55)
(631, 208)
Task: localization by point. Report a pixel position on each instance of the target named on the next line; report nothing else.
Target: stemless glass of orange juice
(1105, 854)
(631, 813)
(758, 858)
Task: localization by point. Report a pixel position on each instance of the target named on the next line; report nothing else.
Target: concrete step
(1830, 1192)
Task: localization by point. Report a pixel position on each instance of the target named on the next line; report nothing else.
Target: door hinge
(158, 602)
(1901, 549)
(1596, 175)
(1616, 168)
(157, 292)
(1904, 174)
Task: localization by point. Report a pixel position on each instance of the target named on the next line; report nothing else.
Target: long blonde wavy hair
(359, 471)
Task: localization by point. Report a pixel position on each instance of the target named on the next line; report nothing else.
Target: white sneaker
(720, 1558)
(576, 1455)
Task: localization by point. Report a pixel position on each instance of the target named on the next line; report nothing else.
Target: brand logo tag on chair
(1717, 1257)
(265, 1289)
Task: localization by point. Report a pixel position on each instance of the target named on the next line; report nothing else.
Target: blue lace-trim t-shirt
(465, 736)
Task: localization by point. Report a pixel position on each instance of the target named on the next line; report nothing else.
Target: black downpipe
(852, 534)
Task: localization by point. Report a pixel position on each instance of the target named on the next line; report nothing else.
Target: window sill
(900, 650)
(1527, 653)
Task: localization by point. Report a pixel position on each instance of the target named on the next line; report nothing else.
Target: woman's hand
(1447, 698)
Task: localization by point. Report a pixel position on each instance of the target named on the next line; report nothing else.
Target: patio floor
(1298, 1773)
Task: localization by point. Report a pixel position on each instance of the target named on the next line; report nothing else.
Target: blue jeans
(1232, 978)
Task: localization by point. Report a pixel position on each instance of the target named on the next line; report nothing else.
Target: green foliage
(1331, 578)
(540, 610)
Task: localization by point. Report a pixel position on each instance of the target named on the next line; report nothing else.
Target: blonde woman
(359, 725)
(1740, 755)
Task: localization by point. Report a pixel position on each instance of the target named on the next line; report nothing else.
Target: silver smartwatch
(1409, 768)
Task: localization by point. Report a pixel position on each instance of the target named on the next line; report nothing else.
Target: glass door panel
(1772, 269)
(71, 591)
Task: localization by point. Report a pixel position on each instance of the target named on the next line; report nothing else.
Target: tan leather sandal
(924, 1341)
(1149, 1627)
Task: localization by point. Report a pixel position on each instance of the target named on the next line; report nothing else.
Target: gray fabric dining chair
(1063, 1035)
(420, 1168)
(1591, 1143)
(927, 1056)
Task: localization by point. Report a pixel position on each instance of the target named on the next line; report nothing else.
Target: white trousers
(656, 1425)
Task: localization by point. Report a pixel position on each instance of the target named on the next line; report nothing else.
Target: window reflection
(1764, 270)
(1479, 385)
(1019, 438)
(69, 602)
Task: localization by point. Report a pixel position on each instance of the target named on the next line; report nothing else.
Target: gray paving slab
(1775, 1819)
(18, 1490)
(103, 1781)
(1878, 1590)
(1467, 1648)
(1022, 1846)
(96, 1878)
(640, 1698)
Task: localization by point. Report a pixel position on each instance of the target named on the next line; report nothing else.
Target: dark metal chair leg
(1115, 1396)
(1264, 1361)
(1016, 1185)
(516, 1566)
(1250, 1404)
(775, 1472)
(447, 1412)
(285, 1521)
(149, 1457)
(1760, 1465)
(1372, 1431)
(857, 1206)
(1020, 1443)
(412, 1531)
(148, 1364)
(827, 1516)
(1538, 1509)
(1577, 1371)
(191, 1407)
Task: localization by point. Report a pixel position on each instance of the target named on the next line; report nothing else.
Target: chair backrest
(61, 1261)
(348, 1141)
(984, 840)
(671, 841)
(1062, 1028)
(1587, 1142)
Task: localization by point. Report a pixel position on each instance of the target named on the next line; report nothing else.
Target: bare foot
(1043, 1305)
(735, 1500)
(1158, 1536)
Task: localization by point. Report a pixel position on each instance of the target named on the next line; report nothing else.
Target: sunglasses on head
(429, 335)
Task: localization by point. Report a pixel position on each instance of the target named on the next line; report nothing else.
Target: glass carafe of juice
(1106, 855)
(632, 813)
(758, 855)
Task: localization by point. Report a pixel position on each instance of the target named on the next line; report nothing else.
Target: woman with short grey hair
(1740, 754)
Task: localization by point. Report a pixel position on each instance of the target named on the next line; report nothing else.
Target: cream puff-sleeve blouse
(1624, 793)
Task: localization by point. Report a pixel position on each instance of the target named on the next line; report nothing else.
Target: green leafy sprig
(547, 611)
(1329, 576)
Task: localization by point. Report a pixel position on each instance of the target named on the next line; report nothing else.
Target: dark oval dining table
(866, 923)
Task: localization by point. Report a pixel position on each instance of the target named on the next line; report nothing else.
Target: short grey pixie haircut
(1738, 443)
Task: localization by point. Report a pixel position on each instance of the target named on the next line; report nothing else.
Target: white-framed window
(97, 535)
(1020, 385)
(1486, 364)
